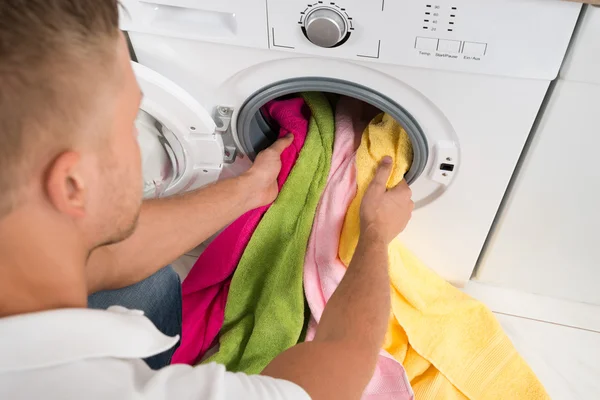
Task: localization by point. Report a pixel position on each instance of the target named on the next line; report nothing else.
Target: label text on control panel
(444, 55)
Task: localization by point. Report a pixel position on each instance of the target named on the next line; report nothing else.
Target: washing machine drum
(255, 133)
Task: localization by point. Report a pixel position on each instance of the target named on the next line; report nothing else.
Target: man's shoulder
(103, 378)
(97, 354)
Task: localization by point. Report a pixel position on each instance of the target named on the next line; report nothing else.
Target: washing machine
(465, 78)
(545, 239)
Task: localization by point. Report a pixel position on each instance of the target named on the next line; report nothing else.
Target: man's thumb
(383, 172)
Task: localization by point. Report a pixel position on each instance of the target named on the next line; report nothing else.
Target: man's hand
(262, 177)
(172, 226)
(385, 213)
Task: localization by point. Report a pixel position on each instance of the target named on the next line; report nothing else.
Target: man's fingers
(401, 190)
(281, 144)
(383, 173)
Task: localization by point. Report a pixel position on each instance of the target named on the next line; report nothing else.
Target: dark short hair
(43, 45)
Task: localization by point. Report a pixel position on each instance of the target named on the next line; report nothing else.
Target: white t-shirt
(96, 354)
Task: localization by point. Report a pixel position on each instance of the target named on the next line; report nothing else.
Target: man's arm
(169, 227)
(340, 361)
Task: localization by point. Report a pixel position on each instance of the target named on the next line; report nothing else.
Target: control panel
(501, 37)
(438, 21)
(519, 38)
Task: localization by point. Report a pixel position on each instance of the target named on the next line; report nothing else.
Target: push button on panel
(449, 46)
(474, 48)
(423, 43)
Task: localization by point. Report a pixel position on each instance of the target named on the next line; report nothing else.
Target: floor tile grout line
(547, 322)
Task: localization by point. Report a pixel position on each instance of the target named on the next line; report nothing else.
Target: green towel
(264, 314)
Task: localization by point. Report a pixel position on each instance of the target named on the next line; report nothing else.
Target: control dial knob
(325, 27)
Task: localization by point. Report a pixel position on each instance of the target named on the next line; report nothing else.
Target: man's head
(68, 100)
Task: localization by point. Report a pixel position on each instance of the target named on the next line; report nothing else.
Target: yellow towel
(451, 345)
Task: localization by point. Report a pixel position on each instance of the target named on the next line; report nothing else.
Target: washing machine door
(181, 149)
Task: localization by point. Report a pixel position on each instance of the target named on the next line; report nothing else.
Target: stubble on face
(120, 160)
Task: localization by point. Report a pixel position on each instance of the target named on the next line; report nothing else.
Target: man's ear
(66, 186)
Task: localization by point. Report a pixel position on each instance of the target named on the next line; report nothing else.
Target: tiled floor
(565, 359)
(560, 339)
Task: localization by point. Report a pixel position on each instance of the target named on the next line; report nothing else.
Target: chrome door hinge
(222, 119)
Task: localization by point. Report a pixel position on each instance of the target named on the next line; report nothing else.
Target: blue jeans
(159, 296)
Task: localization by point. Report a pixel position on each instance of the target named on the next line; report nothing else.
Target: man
(70, 198)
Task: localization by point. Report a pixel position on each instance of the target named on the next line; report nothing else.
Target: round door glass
(161, 155)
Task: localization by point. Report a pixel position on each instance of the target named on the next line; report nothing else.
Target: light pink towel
(206, 287)
(323, 270)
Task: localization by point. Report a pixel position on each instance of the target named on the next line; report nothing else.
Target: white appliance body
(546, 238)
(471, 75)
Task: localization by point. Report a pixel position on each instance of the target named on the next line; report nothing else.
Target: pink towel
(206, 287)
(323, 270)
